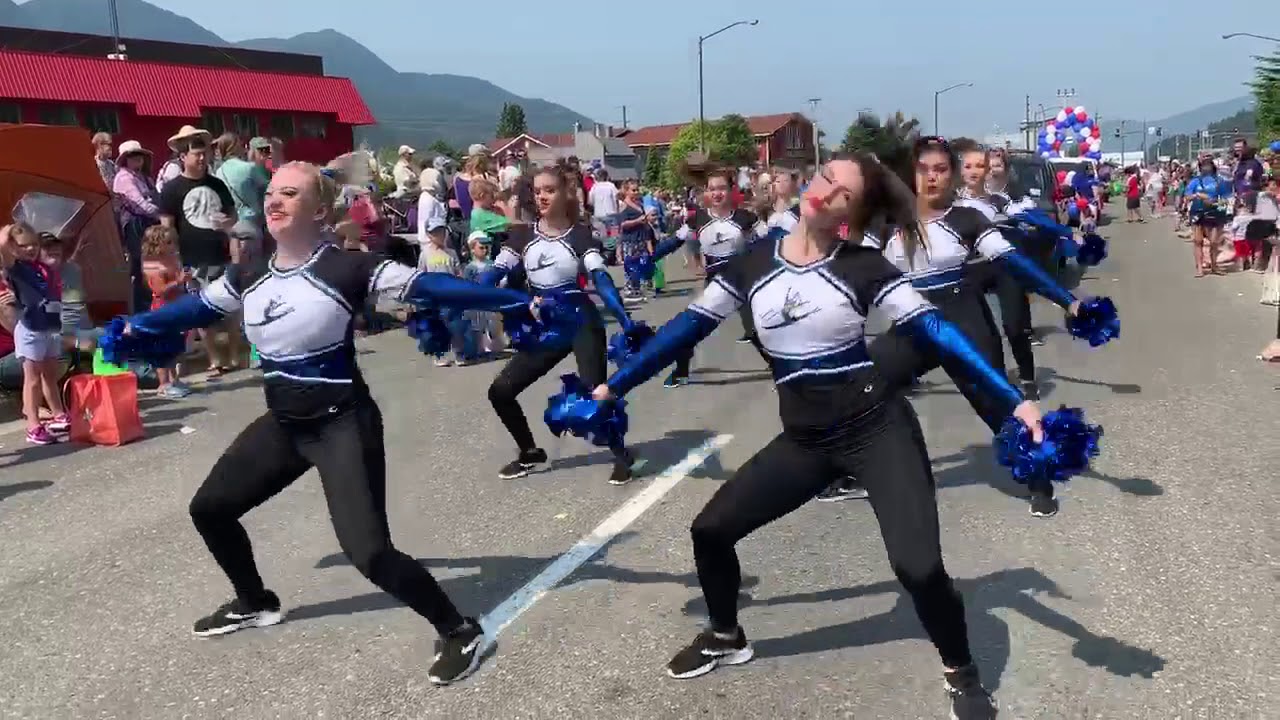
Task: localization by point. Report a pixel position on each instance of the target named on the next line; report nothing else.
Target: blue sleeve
(677, 337)
(608, 293)
(931, 330)
(667, 246)
(1034, 278)
(453, 292)
(491, 276)
(186, 313)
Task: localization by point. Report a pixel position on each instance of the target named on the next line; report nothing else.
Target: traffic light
(1117, 132)
(1159, 132)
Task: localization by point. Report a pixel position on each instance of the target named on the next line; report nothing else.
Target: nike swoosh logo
(543, 264)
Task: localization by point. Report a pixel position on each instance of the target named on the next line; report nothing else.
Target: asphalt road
(1152, 595)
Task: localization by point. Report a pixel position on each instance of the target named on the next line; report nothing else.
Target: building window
(105, 120)
(57, 115)
(794, 137)
(313, 126)
(282, 126)
(246, 126)
(212, 121)
(10, 113)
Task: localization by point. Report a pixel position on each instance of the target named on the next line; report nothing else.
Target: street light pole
(702, 110)
(817, 148)
(1228, 36)
(936, 95)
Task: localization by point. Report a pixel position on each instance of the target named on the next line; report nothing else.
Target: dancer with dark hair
(942, 261)
(298, 312)
(722, 233)
(810, 294)
(552, 252)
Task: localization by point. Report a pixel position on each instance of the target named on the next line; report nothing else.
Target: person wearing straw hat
(139, 209)
(202, 210)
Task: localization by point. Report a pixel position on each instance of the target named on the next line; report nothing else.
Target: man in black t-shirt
(201, 209)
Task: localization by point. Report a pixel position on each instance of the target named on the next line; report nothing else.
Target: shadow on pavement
(1012, 590)
(8, 491)
(658, 454)
(36, 453)
(977, 466)
(496, 578)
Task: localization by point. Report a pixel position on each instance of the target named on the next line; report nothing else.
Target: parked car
(1031, 176)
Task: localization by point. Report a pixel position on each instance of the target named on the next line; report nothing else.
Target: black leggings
(889, 451)
(526, 368)
(1015, 316)
(347, 450)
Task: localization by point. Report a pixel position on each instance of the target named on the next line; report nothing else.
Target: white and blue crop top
(959, 236)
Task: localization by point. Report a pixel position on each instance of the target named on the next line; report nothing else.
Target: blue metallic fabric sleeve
(186, 313)
(1035, 279)
(492, 276)
(678, 336)
(931, 329)
(666, 246)
(608, 293)
(430, 288)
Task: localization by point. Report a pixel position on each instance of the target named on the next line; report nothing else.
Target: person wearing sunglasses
(810, 294)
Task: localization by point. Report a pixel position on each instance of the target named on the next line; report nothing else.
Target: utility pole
(1144, 141)
(1123, 161)
(1026, 124)
(118, 50)
(624, 117)
(817, 147)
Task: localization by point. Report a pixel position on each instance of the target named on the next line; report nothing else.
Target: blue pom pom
(429, 328)
(573, 411)
(1098, 321)
(638, 268)
(556, 326)
(1069, 444)
(156, 349)
(625, 344)
(1093, 250)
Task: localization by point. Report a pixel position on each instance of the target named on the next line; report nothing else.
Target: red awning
(181, 91)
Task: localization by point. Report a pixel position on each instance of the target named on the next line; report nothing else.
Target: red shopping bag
(104, 409)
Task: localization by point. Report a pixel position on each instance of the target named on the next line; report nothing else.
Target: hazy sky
(1131, 58)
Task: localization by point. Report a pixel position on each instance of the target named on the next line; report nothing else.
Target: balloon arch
(1072, 126)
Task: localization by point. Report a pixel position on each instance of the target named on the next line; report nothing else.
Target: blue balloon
(1090, 123)
(1275, 146)
(1073, 212)
(1095, 155)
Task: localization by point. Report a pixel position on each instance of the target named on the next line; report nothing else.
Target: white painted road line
(521, 600)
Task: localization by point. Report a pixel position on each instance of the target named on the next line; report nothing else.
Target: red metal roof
(180, 91)
(665, 134)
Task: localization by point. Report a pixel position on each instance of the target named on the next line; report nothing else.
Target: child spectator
(486, 216)
(438, 257)
(38, 333)
(486, 327)
(637, 239)
(167, 280)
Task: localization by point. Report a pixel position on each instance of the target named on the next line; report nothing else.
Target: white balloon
(1046, 153)
(1071, 176)
(1080, 109)
(1085, 132)
(1050, 127)
(1062, 116)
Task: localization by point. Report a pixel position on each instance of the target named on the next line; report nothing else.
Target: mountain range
(1192, 121)
(412, 108)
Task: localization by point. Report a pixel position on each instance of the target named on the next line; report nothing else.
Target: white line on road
(521, 600)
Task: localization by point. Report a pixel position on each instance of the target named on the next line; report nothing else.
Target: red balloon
(1062, 176)
(1082, 203)
(1082, 116)
(1070, 110)
(1057, 144)
(1097, 131)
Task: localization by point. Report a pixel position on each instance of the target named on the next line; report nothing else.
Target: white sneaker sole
(261, 620)
(740, 657)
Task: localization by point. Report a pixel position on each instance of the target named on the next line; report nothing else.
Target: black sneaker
(673, 380)
(1036, 340)
(521, 466)
(1030, 390)
(843, 489)
(708, 651)
(745, 339)
(236, 615)
(622, 474)
(1043, 504)
(969, 700)
(458, 654)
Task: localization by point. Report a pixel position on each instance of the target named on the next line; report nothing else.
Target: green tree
(729, 142)
(1266, 95)
(889, 141)
(653, 168)
(440, 147)
(511, 122)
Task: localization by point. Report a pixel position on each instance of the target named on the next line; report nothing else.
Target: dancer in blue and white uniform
(552, 252)
(299, 311)
(722, 233)
(809, 294)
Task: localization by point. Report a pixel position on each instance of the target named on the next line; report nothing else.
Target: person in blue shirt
(1207, 194)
